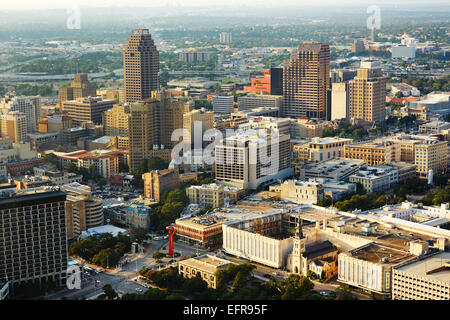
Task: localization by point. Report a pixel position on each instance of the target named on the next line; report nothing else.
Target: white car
(139, 290)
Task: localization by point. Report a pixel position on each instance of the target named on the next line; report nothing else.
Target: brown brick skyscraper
(140, 66)
(306, 78)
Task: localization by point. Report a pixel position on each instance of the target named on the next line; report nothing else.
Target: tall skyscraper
(33, 233)
(116, 121)
(13, 125)
(30, 106)
(306, 78)
(80, 87)
(367, 93)
(152, 123)
(140, 66)
(206, 118)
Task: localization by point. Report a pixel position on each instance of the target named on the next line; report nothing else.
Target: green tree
(158, 255)
(109, 292)
(344, 293)
(195, 285)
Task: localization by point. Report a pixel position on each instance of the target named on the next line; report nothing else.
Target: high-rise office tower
(30, 106)
(13, 125)
(276, 81)
(33, 233)
(116, 121)
(306, 79)
(203, 117)
(140, 66)
(225, 37)
(358, 46)
(367, 93)
(339, 100)
(87, 109)
(152, 123)
(80, 87)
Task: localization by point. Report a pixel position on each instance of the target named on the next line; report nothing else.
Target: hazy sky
(61, 4)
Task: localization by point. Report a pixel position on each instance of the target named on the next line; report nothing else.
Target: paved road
(120, 278)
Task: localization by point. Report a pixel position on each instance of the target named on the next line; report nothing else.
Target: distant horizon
(33, 5)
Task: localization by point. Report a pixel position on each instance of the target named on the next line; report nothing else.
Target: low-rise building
(338, 169)
(333, 188)
(157, 182)
(434, 127)
(300, 191)
(320, 149)
(203, 230)
(137, 216)
(422, 279)
(372, 153)
(206, 265)
(209, 195)
(375, 178)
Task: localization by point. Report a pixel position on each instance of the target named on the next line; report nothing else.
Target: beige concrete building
(427, 279)
(434, 127)
(116, 121)
(431, 155)
(372, 153)
(80, 87)
(305, 128)
(306, 79)
(13, 125)
(202, 117)
(58, 122)
(30, 106)
(320, 149)
(259, 239)
(75, 216)
(339, 100)
(248, 159)
(86, 109)
(252, 101)
(206, 265)
(140, 66)
(83, 211)
(210, 195)
(157, 182)
(152, 123)
(367, 93)
(300, 191)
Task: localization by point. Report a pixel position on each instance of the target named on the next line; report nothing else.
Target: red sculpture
(172, 232)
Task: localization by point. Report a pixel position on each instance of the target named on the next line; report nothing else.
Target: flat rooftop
(436, 267)
(376, 253)
(395, 238)
(208, 263)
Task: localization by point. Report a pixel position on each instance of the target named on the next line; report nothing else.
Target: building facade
(140, 66)
(306, 79)
(87, 109)
(157, 182)
(33, 229)
(80, 87)
(367, 93)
